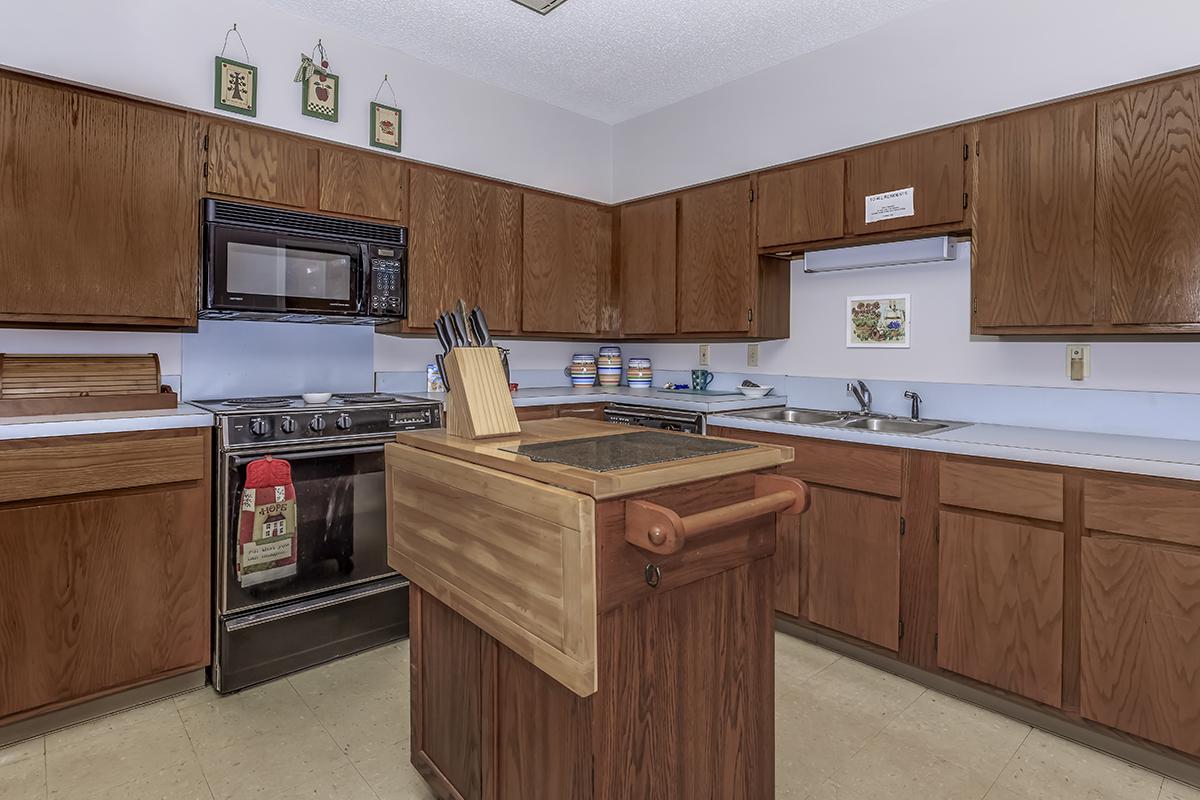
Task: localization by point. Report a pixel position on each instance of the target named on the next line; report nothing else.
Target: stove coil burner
(366, 397)
(258, 402)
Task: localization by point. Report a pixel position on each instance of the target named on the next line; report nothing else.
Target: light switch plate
(1079, 361)
(704, 355)
(752, 355)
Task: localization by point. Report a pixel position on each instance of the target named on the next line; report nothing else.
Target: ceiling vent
(541, 6)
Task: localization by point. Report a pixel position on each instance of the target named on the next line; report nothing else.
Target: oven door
(266, 271)
(340, 528)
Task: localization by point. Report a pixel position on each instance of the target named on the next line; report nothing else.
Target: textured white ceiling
(607, 59)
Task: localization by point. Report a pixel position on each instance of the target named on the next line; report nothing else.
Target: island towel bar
(660, 530)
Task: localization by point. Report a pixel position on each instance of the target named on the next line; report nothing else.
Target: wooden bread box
(32, 385)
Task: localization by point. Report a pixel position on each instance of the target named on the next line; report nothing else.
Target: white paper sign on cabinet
(890, 205)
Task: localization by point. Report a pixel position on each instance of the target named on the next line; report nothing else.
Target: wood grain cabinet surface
(1034, 218)
(648, 262)
(362, 184)
(931, 164)
(254, 163)
(98, 211)
(465, 242)
(717, 258)
(804, 203)
(567, 264)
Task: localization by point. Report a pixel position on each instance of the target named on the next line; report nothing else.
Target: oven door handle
(307, 455)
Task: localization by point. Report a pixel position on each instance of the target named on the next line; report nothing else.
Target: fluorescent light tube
(889, 254)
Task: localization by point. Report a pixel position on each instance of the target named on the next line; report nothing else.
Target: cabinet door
(854, 564)
(103, 593)
(1000, 604)
(98, 216)
(256, 164)
(787, 564)
(1140, 640)
(567, 249)
(648, 266)
(1034, 218)
(1148, 202)
(718, 267)
(362, 184)
(805, 203)
(930, 164)
(466, 237)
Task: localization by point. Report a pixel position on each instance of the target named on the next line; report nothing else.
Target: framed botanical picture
(385, 127)
(320, 97)
(879, 321)
(235, 87)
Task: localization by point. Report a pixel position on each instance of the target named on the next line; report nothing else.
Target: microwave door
(254, 270)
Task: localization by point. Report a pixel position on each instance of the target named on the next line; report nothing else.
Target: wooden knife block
(478, 403)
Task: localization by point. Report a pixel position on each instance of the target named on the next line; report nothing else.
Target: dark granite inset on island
(626, 450)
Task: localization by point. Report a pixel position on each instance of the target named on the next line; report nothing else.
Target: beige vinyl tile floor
(843, 731)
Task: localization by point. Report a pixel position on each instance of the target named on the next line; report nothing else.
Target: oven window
(284, 271)
(340, 528)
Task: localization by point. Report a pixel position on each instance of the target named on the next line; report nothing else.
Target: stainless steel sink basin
(799, 416)
(895, 425)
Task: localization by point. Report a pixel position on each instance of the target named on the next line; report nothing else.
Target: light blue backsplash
(232, 358)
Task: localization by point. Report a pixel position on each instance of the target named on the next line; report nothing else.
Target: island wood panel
(98, 213)
(256, 164)
(1000, 605)
(56, 466)
(1140, 659)
(854, 565)
(718, 264)
(685, 706)
(515, 557)
(362, 184)
(1148, 195)
(804, 203)
(466, 242)
(447, 697)
(1037, 494)
(1034, 214)
(101, 594)
(932, 164)
(1169, 512)
(567, 261)
(648, 264)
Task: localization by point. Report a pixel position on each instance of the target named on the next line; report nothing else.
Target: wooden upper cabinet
(98, 212)
(718, 262)
(362, 184)
(1000, 604)
(853, 555)
(567, 264)
(1034, 218)
(648, 264)
(466, 242)
(804, 203)
(931, 164)
(257, 164)
(1148, 202)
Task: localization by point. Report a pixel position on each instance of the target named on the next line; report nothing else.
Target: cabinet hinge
(749, 315)
(206, 142)
(935, 641)
(966, 151)
(752, 195)
(977, 149)
(205, 169)
(903, 526)
(901, 636)
(974, 305)
(965, 198)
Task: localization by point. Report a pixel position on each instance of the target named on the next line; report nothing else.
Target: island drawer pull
(660, 530)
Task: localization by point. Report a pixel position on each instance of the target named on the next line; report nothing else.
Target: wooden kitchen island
(589, 634)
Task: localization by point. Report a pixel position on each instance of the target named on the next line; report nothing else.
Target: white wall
(943, 349)
(952, 61)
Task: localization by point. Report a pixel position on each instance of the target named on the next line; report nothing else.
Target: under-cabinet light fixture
(889, 254)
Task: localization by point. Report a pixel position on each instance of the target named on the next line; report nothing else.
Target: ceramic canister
(639, 374)
(582, 371)
(608, 366)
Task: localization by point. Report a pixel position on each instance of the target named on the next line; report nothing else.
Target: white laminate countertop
(1139, 455)
(657, 398)
(182, 416)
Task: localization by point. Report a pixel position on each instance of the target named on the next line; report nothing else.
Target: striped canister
(582, 371)
(608, 366)
(639, 374)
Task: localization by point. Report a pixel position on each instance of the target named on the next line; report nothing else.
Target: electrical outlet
(1079, 361)
(704, 355)
(752, 355)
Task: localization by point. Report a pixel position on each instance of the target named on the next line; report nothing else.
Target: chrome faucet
(916, 405)
(862, 394)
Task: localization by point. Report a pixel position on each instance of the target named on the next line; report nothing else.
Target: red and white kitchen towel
(267, 523)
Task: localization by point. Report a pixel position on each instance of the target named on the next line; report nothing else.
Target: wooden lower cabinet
(1000, 604)
(581, 410)
(1140, 655)
(853, 569)
(103, 591)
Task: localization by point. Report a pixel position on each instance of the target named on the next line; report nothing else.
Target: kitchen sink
(851, 420)
(799, 416)
(895, 425)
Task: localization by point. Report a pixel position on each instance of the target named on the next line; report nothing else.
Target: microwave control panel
(387, 282)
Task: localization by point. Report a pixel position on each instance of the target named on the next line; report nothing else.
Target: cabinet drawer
(1167, 513)
(537, 412)
(864, 468)
(582, 412)
(36, 468)
(1005, 490)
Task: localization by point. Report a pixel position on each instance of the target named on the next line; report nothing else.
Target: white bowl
(317, 397)
(755, 391)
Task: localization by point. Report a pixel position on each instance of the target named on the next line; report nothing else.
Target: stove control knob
(317, 424)
(259, 427)
(287, 425)
(344, 422)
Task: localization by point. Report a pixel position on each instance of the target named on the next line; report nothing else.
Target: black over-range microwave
(268, 263)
